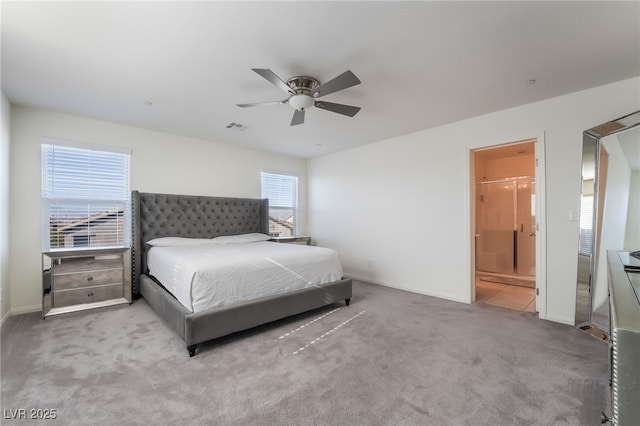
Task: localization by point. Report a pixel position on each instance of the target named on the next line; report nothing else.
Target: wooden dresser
(74, 280)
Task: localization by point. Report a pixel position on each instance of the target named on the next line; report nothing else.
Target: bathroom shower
(505, 230)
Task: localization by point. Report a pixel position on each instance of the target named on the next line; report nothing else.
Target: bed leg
(192, 350)
(347, 301)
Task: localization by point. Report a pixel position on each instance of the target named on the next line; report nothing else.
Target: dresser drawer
(89, 263)
(86, 279)
(87, 295)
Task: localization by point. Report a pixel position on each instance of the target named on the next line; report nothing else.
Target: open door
(540, 228)
(509, 174)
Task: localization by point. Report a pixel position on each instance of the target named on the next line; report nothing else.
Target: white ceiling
(422, 64)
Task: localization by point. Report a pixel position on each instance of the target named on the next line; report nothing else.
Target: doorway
(505, 225)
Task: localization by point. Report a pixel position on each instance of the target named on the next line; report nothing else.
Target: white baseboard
(20, 311)
(4, 318)
(561, 320)
(26, 310)
(410, 290)
(553, 318)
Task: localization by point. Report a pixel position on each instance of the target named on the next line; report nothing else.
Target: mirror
(609, 213)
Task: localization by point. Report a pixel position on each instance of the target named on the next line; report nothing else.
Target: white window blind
(586, 225)
(85, 197)
(282, 192)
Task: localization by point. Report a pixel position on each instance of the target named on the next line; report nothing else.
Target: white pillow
(242, 238)
(178, 241)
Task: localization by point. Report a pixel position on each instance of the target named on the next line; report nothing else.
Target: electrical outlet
(369, 263)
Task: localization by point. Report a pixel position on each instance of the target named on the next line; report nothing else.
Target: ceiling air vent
(236, 126)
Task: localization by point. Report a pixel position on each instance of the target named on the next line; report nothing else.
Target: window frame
(296, 198)
(49, 199)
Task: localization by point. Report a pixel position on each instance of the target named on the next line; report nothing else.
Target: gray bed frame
(166, 215)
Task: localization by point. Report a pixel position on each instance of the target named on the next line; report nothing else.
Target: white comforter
(206, 276)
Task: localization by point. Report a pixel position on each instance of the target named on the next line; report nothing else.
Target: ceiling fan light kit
(303, 92)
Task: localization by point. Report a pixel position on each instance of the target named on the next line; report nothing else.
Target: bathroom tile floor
(506, 296)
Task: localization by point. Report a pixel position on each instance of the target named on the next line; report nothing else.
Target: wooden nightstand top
(293, 239)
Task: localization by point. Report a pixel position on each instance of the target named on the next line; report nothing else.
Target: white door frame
(541, 229)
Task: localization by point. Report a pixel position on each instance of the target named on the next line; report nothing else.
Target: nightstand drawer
(89, 263)
(87, 279)
(87, 295)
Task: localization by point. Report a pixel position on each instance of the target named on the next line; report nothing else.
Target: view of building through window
(282, 192)
(85, 197)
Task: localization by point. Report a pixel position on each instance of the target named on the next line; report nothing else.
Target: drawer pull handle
(89, 278)
(90, 262)
(90, 295)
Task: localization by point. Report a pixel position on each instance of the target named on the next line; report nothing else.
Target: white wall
(632, 237)
(160, 162)
(5, 289)
(402, 205)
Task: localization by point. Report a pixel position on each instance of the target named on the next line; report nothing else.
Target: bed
(167, 217)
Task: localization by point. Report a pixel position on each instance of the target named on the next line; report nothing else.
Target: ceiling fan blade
(254, 104)
(269, 75)
(343, 81)
(298, 117)
(339, 108)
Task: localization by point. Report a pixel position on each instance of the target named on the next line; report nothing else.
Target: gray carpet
(391, 358)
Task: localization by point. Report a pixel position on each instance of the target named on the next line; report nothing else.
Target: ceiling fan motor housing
(303, 88)
(303, 84)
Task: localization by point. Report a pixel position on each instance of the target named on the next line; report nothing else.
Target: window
(282, 192)
(586, 225)
(86, 199)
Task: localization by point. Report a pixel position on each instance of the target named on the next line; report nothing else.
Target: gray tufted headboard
(166, 215)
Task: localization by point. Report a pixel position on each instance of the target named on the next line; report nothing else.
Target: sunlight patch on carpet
(309, 323)
(313, 342)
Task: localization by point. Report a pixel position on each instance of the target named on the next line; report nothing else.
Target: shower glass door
(526, 220)
(496, 226)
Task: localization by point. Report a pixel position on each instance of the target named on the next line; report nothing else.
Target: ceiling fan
(304, 91)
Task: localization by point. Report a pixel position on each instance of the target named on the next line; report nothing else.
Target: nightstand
(294, 239)
(75, 280)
